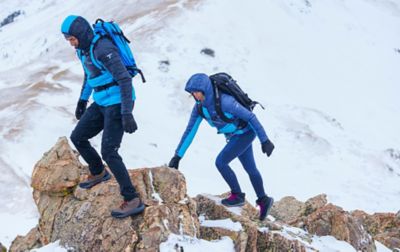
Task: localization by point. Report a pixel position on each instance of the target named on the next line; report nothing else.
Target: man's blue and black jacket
(112, 83)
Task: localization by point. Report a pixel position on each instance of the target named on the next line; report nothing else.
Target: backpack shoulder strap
(218, 108)
(94, 60)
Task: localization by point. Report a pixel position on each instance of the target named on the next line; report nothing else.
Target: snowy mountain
(326, 71)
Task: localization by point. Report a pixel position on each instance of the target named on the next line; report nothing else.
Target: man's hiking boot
(128, 208)
(265, 203)
(235, 199)
(95, 179)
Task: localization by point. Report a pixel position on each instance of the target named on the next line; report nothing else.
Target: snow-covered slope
(326, 71)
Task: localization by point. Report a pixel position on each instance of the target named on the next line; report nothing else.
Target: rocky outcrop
(333, 220)
(357, 228)
(81, 219)
(384, 227)
(292, 211)
(27, 242)
(253, 234)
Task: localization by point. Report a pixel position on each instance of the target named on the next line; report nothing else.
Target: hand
(128, 123)
(174, 163)
(267, 147)
(80, 109)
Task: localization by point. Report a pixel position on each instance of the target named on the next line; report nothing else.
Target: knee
(105, 153)
(75, 138)
(252, 171)
(108, 153)
(220, 162)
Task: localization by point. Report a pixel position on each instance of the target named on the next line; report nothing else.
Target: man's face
(73, 41)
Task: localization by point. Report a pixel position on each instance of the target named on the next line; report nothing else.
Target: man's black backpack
(224, 83)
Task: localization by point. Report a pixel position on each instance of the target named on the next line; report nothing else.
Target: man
(239, 139)
(111, 111)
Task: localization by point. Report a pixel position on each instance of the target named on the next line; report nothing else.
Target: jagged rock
(81, 219)
(293, 212)
(332, 220)
(288, 209)
(320, 218)
(208, 207)
(27, 242)
(315, 203)
(215, 233)
(254, 235)
(58, 171)
(274, 242)
(384, 227)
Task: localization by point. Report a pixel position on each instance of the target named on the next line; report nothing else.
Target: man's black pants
(95, 119)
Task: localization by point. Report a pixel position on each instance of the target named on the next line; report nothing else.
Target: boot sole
(235, 205)
(105, 178)
(135, 211)
(268, 209)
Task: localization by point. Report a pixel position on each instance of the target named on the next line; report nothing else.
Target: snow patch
(223, 223)
(189, 244)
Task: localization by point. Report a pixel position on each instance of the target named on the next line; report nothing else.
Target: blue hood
(201, 82)
(80, 28)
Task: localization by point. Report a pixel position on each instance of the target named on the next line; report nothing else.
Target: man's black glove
(267, 147)
(80, 109)
(174, 163)
(128, 123)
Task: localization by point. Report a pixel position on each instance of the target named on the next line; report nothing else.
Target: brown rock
(251, 237)
(27, 242)
(288, 209)
(58, 171)
(315, 203)
(216, 233)
(332, 220)
(294, 212)
(170, 184)
(210, 207)
(384, 227)
(81, 218)
(275, 242)
(100, 232)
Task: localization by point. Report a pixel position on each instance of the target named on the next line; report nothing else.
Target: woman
(239, 140)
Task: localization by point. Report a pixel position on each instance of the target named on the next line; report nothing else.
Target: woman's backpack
(224, 83)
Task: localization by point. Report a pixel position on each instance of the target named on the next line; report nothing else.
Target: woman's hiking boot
(265, 203)
(235, 199)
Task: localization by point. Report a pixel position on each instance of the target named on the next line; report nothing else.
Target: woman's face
(198, 96)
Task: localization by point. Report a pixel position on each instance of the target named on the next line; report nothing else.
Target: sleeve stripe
(188, 140)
